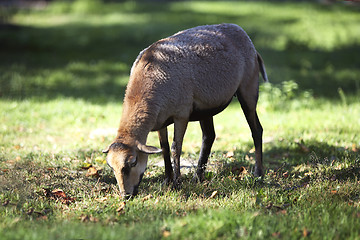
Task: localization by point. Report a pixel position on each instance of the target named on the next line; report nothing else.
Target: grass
(63, 72)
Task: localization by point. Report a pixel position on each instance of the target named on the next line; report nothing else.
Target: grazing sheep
(190, 76)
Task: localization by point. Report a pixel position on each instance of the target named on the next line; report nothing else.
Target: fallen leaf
(104, 199)
(147, 197)
(276, 234)
(121, 208)
(166, 233)
(239, 172)
(17, 147)
(92, 172)
(87, 218)
(354, 148)
(84, 218)
(93, 219)
(230, 154)
(58, 193)
(248, 157)
(306, 232)
(213, 194)
(243, 170)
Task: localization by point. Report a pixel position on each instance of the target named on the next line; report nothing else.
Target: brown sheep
(189, 76)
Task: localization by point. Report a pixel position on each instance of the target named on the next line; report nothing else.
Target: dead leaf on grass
(87, 218)
(239, 172)
(121, 208)
(58, 195)
(92, 172)
(166, 233)
(147, 197)
(230, 154)
(306, 232)
(354, 148)
(104, 199)
(276, 234)
(213, 194)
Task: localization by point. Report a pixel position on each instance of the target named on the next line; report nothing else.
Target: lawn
(63, 73)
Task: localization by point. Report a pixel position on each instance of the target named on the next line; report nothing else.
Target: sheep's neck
(136, 122)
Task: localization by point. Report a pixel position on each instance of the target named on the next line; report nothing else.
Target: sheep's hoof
(259, 172)
(167, 181)
(177, 183)
(198, 177)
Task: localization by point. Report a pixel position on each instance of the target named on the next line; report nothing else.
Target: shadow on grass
(39, 62)
(288, 168)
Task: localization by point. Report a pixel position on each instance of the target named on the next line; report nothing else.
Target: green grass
(63, 72)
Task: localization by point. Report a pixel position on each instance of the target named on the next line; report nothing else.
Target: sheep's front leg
(179, 132)
(164, 143)
(208, 137)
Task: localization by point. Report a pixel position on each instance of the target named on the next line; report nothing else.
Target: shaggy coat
(190, 76)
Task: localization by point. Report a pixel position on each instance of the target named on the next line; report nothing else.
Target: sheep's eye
(133, 163)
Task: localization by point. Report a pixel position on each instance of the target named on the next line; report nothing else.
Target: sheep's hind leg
(248, 104)
(208, 137)
(164, 143)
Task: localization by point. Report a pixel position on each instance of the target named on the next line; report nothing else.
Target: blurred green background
(85, 48)
(64, 66)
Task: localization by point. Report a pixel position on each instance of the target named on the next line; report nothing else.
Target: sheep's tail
(262, 67)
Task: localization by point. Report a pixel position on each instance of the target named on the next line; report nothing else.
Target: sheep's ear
(147, 149)
(107, 149)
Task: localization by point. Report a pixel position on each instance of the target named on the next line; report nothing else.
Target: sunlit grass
(63, 72)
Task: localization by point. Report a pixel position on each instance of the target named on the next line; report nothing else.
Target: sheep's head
(129, 164)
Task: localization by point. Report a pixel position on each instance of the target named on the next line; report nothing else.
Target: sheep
(189, 76)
